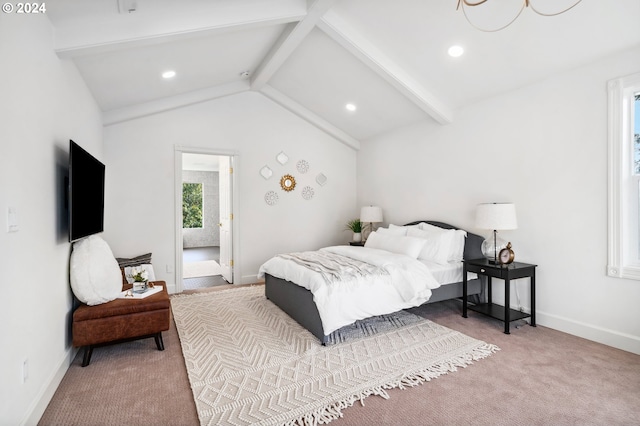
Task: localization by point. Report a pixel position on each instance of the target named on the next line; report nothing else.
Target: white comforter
(407, 284)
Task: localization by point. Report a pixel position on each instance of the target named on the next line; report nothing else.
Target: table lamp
(498, 217)
(370, 214)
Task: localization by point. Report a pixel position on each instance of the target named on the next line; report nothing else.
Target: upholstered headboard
(472, 244)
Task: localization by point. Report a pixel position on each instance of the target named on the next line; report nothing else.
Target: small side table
(357, 243)
(507, 273)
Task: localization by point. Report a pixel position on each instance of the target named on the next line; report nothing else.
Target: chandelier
(464, 4)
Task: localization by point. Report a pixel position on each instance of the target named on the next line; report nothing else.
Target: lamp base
(491, 248)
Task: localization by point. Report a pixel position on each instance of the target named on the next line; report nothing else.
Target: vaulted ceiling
(388, 58)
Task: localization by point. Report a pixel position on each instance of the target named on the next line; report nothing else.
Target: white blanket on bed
(396, 282)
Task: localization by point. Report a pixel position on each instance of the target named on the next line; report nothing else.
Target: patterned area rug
(249, 363)
(371, 326)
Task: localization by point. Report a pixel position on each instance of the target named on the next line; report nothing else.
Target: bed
(287, 290)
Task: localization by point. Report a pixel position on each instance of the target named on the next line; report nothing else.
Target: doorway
(204, 237)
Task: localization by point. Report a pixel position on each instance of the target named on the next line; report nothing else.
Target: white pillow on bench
(95, 275)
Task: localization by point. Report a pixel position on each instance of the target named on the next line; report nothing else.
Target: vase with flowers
(140, 278)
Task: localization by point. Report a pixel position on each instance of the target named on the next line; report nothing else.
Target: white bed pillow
(408, 246)
(404, 228)
(457, 245)
(431, 228)
(393, 230)
(437, 247)
(94, 272)
(401, 230)
(456, 250)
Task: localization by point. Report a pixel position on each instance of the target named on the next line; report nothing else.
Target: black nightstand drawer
(480, 269)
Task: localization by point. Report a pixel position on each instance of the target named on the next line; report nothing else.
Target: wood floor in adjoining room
(198, 254)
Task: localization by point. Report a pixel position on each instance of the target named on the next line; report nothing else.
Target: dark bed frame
(298, 302)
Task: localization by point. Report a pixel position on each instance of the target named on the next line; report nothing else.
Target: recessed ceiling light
(350, 107)
(455, 51)
(168, 74)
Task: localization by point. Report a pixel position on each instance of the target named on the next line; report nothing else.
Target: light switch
(12, 220)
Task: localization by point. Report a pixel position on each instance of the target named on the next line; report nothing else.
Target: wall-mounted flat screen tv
(86, 193)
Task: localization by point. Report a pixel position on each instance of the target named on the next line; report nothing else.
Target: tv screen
(86, 193)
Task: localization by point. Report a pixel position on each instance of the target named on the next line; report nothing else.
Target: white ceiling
(387, 57)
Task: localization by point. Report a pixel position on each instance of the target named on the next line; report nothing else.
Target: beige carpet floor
(539, 377)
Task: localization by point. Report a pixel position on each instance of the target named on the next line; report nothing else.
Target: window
(192, 205)
(624, 178)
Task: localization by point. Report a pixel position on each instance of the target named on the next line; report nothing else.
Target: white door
(226, 218)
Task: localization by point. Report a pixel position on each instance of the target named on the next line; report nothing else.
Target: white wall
(43, 104)
(140, 180)
(543, 147)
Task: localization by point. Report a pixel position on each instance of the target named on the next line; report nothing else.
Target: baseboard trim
(40, 403)
(250, 279)
(623, 341)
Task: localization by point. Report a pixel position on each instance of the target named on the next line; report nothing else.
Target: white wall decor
(282, 158)
(302, 166)
(271, 198)
(307, 192)
(321, 179)
(266, 172)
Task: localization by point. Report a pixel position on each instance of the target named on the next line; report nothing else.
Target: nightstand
(507, 273)
(357, 243)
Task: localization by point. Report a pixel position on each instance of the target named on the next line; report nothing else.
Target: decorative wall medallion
(307, 192)
(282, 158)
(266, 172)
(271, 198)
(287, 183)
(302, 166)
(321, 179)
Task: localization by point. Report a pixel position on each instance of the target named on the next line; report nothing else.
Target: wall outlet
(25, 370)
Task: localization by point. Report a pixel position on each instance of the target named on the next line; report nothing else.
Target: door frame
(235, 246)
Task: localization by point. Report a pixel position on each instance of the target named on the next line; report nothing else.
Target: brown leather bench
(121, 320)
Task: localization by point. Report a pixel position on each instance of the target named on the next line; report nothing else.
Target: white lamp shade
(371, 214)
(496, 216)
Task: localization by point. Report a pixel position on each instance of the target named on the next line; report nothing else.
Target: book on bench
(129, 294)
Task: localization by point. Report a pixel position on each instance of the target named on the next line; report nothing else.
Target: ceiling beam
(106, 46)
(120, 115)
(309, 116)
(288, 42)
(336, 28)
